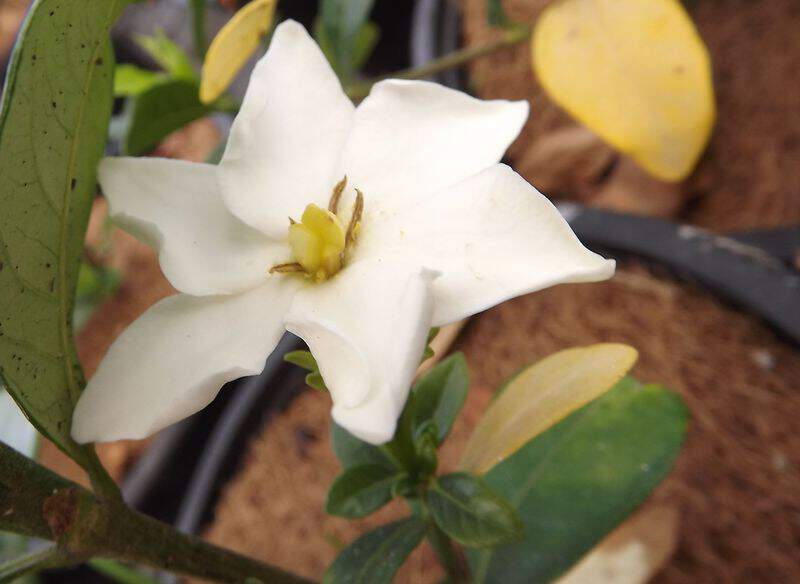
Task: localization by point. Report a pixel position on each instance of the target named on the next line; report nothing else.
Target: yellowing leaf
(233, 45)
(635, 72)
(542, 395)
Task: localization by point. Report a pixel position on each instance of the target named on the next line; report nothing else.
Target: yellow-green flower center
(319, 241)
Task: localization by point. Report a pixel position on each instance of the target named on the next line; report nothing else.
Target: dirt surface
(750, 175)
(735, 485)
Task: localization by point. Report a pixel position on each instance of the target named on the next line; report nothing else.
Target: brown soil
(750, 175)
(735, 484)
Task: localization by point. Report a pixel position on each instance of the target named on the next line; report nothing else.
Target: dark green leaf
(375, 557)
(159, 111)
(361, 490)
(130, 80)
(366, 40)
(440, 394)
(577, 481)
(169, 56)
(351, 451)
(340, 34)
(53, 125)
(198, 8)
(496, 14)
(470, 512)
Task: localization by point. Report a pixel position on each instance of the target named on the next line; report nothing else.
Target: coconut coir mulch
(735, 485)
(750, 174)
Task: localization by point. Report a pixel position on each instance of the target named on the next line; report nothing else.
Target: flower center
(320, 242)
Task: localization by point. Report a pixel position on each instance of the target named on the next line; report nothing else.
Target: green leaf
(375, 557)
(577, 481)
(341, 34)
(429, 352)
(302, 359)
(21, 567)
(120, 573)
(496, 14)
(470, 512)
(169, 56)
(361, 490)
(53, 125)
(130, 80)
(95, 284)
(440, 394)
(366, 41)
(351, 451)
(306, 360)
(198, 9)
(159, 111)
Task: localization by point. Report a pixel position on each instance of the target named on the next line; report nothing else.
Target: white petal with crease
(492, 237)
(288, 135)
(173, 360)
(177, 208)
(412, 138)
(367, 329)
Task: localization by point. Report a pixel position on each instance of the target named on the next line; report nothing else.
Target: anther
(288, 268)
(355, 219)
(336, 195)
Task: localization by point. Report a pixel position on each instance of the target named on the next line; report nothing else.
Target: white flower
(445, 232)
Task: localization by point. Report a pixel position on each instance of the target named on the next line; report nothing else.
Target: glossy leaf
(470, 512)
(233, 46)
(344, 34)
(542, 395)
(53, 126)
(130, 80)
(576, 482)
(375, 557)
(351, 451)
(169, 56)
(361, 490)
(159, 111)
(636, 73)
(439, 395)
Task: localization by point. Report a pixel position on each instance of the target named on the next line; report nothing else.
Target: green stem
(457, 58)
(36, 502)
(102, 483)
(449, 555)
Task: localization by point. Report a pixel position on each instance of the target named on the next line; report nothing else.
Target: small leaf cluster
(162, 101)
(461, 505)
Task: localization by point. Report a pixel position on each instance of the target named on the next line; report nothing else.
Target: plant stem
(449, 555)
(133, 537)
(457, 58)
(36, 502)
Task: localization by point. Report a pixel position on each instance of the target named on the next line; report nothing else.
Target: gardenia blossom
(356, 228)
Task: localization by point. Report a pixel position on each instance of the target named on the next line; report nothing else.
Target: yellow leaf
(233, 46)
(635, 72)
(542, 395)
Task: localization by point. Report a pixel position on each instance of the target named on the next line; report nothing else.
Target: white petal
(288, 135)
(177, 208)
(173, 360)
(412, 138)
(492, 237)
(367, 328)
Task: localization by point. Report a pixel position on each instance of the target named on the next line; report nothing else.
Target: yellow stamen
(318, 242)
